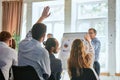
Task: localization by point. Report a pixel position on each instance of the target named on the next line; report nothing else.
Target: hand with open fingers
(45, 12)
(87, 38)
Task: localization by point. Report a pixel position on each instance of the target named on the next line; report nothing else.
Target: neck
(41, 40)
(93, 38)
(50, 52)
(6, 42)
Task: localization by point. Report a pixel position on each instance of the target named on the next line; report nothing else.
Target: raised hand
(87, 38)
(45, 14)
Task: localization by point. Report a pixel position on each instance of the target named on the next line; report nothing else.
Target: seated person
(79, 60)
(8, 56)
(56, 67)
(32, 53)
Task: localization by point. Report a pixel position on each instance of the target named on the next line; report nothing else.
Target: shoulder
(10, 50)
(97, 40)
(57, 62)
(13, 52)
(43, 51)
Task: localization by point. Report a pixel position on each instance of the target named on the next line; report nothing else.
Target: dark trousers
(97, 67)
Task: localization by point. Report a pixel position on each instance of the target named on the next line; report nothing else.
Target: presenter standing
(97, 45)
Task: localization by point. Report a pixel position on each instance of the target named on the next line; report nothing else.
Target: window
(92, 10)
(55, 22)
(23, 31)
(118, 37)
(93, 13)
(56, 28)
(118, 50)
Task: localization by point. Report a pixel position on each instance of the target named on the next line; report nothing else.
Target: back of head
(38, 31)
(5, 36)
(51, 42)
(77, 56)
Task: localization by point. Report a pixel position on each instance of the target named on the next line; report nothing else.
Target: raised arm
(44, 15)
(90, 47)
(90, 57)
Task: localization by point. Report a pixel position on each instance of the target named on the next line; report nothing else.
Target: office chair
(24, 73)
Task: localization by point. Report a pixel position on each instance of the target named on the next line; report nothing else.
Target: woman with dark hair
(80, 61)
(8, 56)
(52, 46)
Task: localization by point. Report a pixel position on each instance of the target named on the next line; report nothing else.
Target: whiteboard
(67, 40)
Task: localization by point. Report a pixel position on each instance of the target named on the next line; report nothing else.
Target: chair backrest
(1, 75)
(86, 74)
(24, 73)
(55, 76)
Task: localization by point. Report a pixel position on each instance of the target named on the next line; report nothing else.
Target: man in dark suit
(52, 46)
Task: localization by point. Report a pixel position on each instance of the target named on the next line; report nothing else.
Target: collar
(52, 55)
(37, 42)
(3, 43)
(94, 39)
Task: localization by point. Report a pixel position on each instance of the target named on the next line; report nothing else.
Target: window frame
(94, 20)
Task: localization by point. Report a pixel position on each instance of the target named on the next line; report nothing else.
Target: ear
(10, 42)
(43, 37)
(52, 48)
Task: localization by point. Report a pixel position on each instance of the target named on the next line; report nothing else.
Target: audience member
(8, 56)
(32, 53)
(52, 46)
(79, 59)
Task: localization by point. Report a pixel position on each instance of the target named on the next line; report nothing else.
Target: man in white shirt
(31, 51)
(8, 56)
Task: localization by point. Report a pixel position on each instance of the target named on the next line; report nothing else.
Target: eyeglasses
(91, 33)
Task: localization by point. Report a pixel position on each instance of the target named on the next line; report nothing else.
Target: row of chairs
(22, 73)
(29, 73)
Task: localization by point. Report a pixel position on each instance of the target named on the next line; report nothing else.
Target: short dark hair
(4, 36)
(51, 42)
(38, 30)
(95, 31)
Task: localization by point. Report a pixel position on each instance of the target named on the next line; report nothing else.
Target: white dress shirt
(32, 53)
(8, 57)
